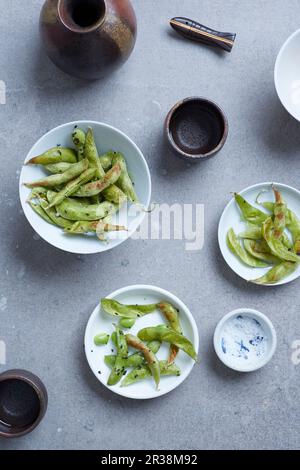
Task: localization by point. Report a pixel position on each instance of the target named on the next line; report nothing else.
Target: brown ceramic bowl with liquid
(196, 128)
(23, 403)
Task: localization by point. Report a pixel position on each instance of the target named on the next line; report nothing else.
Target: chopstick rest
(198, 32)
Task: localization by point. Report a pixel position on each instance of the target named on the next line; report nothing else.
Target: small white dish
(231, 218)
(245, 340)
(102, 322)
(107, 138)
(287, 75)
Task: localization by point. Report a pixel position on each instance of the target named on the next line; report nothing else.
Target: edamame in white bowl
(130, 216)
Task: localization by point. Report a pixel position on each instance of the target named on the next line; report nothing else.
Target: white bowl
(107, 138)
(231, 218)
(101, 322)
(255, 354)
(287, 75)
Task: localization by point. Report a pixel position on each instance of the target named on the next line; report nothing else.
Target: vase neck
(82, 15)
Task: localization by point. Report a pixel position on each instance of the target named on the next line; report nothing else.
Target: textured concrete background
(46, 296)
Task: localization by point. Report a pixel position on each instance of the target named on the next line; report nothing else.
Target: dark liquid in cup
(19, 403)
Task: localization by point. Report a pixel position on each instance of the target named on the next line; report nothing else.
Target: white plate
(107, 138)
(102, 322)
(231, 218)
(287, 75)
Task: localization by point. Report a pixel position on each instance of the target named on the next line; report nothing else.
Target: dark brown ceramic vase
(88, 38)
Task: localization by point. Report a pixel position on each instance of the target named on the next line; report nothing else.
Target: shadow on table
(279, 130)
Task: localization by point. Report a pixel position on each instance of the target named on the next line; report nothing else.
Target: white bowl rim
(276, 71)
(162, 292)
(268, 323)
(85, 122)
(249, 188)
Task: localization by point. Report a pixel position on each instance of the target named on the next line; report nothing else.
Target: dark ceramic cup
(23, 402)
(196, 128)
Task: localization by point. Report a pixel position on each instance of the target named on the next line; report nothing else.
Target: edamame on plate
(84, 187)
(151, 354)
(259, 234)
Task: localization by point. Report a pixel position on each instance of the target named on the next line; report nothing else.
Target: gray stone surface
(46, 296)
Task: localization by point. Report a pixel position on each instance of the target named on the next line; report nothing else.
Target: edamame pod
(250, 213)
(134, 360)
(115, 308)
(56, 219)
(96, 187)
(36, 192)
(124, 182)
(58, 179)
(260, 250)
(115, 194)
(106, 160)
(172, 316)
(94, 226)
(143, 372)
(40, 211)
(71, 211)
(61, 167)
(122, 353)
(277, 273)
(78, 138)
(280, 210)
(72, 187)
(254, 232)
(91, 153)
(150, 357)
(54, 155)
(164, 333)
(276, 246)
(238, 250)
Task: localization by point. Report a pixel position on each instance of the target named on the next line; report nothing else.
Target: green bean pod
(58, 179)
(171, 314)
(115, 308)
(150, 357)
(277, 273)
(238, 250)
(72, 187)
(143, 372)
(254, 232)
(96, 187)
(91, 153)
(250, 213)
(165, 334)
(124, 182)
(276, 246)
(54, 155)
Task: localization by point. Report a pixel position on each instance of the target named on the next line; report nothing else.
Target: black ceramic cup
(23, 402)
(196, 128)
